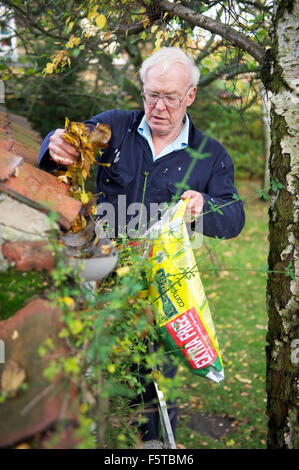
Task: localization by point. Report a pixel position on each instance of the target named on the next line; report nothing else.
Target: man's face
(162, 119)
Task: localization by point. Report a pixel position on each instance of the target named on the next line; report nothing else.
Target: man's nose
(160, 103)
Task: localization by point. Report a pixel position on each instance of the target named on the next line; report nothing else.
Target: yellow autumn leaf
(111, 368)
(73, 41)
(159, 34)
(157, 44)
(63, 178)
(84, 408)
(105, 249)
(23, 445)
(212, 295)
(92, 13)
(64, 333)
(15, 335)
(68, 301)
(145, 21)
(76, 326)
(84, 197)
(101, 21)
(78, 224)
(122, 271)
(71, 365)
(230, 442)
(49, 68)
(242, 379)
(13, 376)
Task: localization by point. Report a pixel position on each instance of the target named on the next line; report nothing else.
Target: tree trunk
(265, 109)
(283, 286)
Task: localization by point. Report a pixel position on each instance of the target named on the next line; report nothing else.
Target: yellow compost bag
(175, 287)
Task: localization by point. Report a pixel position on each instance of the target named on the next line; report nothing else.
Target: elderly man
(148, 156)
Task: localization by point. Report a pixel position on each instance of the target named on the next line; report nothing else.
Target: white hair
(167, 56)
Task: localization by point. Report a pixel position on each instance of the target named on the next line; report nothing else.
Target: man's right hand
(60, 151)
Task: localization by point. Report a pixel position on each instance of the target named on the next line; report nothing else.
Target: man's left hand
(194, 206)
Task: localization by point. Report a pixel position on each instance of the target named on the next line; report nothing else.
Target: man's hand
(60, 151)
(194, 206)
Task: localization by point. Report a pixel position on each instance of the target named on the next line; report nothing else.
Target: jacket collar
(195, 136)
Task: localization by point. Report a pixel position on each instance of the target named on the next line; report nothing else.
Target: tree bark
(283, 288)
(265, 110)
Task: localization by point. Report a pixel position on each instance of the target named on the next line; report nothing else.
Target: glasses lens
(172, 101)
(152, 98)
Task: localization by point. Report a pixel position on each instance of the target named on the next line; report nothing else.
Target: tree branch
(223, 70)
(22, 15)
(237, 38)
(135, 28)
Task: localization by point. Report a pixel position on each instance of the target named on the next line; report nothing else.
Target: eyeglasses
(171, 101)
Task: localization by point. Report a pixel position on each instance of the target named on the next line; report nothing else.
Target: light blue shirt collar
(179, 143)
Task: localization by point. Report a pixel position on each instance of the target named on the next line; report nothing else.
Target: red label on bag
(190, 335)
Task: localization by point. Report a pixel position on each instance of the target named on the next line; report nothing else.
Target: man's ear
(191, 95)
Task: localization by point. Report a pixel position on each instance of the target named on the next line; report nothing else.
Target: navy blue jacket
(132, 165)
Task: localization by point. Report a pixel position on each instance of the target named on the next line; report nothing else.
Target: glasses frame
(162, 96)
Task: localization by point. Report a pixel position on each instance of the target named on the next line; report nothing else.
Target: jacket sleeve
(44, 161)
(223, 211)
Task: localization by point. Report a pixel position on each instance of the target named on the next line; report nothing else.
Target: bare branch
(25, 16)
(237, 38)
(223, 71)
(135, 28)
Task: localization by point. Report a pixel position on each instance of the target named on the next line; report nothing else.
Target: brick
(43, 188)
(61, 439)
(21, 138)
(29, 255)
(44, 403)
(27, 223)
(8, 163)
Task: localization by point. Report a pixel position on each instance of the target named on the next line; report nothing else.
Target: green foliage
(107, 330)
(240, 132)
(47, 101)
(17, 288)
(87, 81)
(234, 274)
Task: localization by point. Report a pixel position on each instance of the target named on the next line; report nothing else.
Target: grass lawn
(232, 414)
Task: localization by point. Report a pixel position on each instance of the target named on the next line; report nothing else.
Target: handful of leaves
(88, 144)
